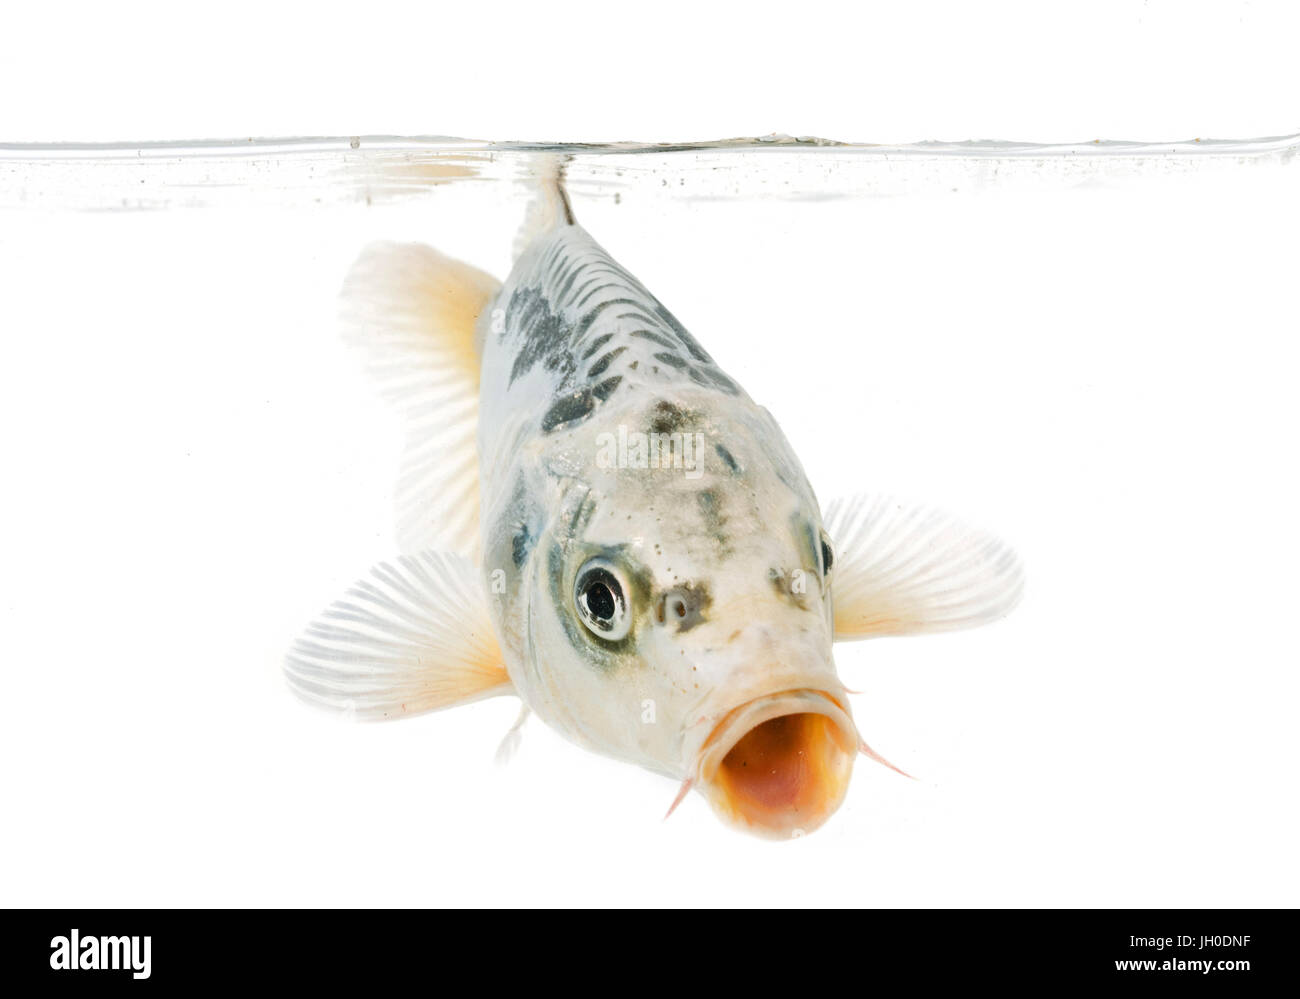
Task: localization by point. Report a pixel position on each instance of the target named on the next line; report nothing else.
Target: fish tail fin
(549, 208)
(413, 312)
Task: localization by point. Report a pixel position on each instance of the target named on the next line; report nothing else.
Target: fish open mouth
(780, 765)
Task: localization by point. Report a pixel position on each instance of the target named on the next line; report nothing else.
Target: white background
(1103, 373)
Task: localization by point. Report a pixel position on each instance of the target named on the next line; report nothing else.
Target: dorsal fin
(549, 207)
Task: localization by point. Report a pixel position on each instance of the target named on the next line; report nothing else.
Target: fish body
(642, 559)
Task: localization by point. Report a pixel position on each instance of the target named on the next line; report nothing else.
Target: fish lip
(743, 718)
(801, 814)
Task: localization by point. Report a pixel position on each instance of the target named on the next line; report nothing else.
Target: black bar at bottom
(1225, 949)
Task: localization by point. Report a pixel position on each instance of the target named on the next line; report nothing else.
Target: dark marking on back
(604, 362)
(671, 359)
(640, 317)
(658, 338)
(587, 297)
(688, 341)
(545, 335)
(721, 380)
(606, 388)
(594, 312)
(728, 458)
(563, 292)
(549, 329)
(596, 344)
(569, 407)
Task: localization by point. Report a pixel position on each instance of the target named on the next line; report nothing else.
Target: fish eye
(828, 556)
(600, 596)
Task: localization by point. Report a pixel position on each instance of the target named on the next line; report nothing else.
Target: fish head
(680, 617)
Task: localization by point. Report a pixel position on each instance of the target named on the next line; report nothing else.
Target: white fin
(413, 636)
(549, 207)
(906, 570)
(413, 311)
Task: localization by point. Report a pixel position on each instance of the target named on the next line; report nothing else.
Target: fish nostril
(683, 605)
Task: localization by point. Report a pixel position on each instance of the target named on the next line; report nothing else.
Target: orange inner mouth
(787, 773)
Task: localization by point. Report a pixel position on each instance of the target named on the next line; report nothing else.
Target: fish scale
(593, 330)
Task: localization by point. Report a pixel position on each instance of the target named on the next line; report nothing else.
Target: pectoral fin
(901, 569)
(413, 636)
(414, 312)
